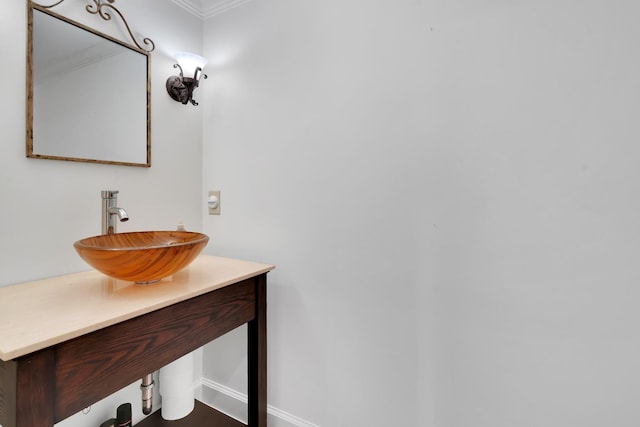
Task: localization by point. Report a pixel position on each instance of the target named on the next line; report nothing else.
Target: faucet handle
(109, 194)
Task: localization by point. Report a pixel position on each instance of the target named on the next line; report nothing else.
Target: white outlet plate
(215, 210)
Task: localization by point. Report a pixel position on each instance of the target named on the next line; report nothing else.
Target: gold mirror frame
(145, 48)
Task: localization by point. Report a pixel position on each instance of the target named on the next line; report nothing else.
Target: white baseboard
(234, 404)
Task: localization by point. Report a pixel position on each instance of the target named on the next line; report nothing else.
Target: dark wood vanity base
(49, 385)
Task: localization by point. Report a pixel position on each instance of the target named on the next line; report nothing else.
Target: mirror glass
(87, 94)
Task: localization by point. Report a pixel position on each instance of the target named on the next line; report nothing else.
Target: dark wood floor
(202, 416)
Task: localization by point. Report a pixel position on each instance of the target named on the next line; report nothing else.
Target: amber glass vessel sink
(141, 257)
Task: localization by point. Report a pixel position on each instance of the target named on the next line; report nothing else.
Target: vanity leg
(257, 357)
(27, 384)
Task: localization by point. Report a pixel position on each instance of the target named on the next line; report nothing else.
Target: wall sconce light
(181, 87)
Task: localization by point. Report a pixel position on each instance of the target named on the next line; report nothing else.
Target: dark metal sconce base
(178, 91)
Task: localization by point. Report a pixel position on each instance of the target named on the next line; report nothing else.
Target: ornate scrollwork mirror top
(123, 135)
(100, 8)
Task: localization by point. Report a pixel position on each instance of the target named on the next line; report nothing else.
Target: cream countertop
(39, 314)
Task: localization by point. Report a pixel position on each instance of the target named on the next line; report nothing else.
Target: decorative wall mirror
(88, 94)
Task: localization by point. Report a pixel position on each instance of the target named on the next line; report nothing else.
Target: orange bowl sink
(143, 256)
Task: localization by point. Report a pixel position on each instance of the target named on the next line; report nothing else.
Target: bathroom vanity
(69, 341)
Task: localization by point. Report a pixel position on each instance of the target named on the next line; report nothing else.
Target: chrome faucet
(110, 211)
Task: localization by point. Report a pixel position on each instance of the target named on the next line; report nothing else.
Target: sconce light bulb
(190, 62)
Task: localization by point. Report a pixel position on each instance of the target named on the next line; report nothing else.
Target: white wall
(315, 131)
(536, 270)
(448, 190)
(46, 205)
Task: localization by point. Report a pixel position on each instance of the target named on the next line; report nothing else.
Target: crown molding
(222, 6)
(205, 9)
(192, 6)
